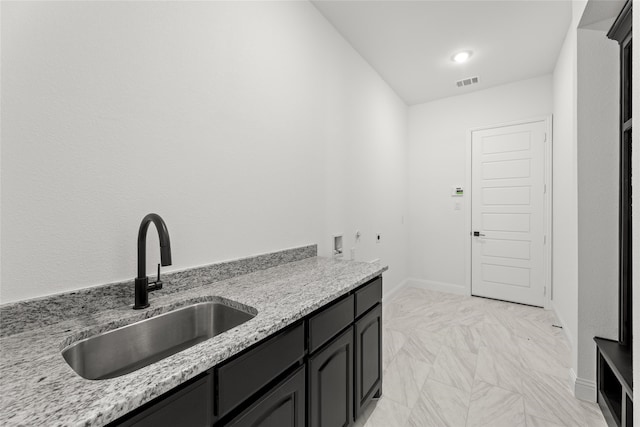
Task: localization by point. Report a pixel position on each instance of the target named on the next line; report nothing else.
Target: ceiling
(600, 14)
(410, 43)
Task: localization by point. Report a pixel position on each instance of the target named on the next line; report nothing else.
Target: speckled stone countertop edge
(28, 314)
(58, 396)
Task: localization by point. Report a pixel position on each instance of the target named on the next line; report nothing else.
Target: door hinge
(545, 137)
(545, 291)
(545, 189)
(545, 239)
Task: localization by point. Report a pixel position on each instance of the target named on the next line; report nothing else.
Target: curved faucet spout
(142, 287)
(163, 236)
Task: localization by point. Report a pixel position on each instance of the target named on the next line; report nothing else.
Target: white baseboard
(582, 389)
(388, 295)
(567, 333)
(437, 286)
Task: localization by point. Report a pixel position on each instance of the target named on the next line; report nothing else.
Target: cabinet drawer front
(368, 296)
(242, 377)
(283, 406)
(326, 324)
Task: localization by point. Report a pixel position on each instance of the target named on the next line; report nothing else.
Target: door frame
(547, 209)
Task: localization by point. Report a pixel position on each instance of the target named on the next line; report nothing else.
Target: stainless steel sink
(131, 347)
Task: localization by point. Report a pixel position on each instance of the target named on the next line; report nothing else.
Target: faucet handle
(157, 284)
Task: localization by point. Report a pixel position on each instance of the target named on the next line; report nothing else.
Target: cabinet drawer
(326, 324)
(368, 296)
(240, 378)
(283, 406)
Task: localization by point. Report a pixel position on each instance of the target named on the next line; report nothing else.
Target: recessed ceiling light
(461, 57)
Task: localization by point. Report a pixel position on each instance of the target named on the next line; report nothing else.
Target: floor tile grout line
(475, 370)
(536, 334)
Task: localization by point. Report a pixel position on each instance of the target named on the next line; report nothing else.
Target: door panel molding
(547, 204)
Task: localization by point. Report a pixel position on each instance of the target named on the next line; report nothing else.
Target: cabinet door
(284, 406)
(368, 364)
(331, 383)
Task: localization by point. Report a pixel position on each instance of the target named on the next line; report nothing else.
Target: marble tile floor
(452, 360)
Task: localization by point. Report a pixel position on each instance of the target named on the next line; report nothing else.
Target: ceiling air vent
(467, 82)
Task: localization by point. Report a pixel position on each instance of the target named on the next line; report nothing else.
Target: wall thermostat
(457, 191)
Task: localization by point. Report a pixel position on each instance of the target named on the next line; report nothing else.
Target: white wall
(598, 158)
(565, 189)
(585, 270)
(438, 133)
(249, 126)
(366, 176)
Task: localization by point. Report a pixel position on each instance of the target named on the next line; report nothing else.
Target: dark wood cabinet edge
(603, 349)
(167, 398)
(376, 390)
(367, 296)
(368, 282)
(287, 381)
(322, 326)
(604, 405)
(273, 338)
(210, 374)
(621, 31)
(369, 310)
(614, 362)
(258, 395)
(356, 318)
(297, 322)
(317, 355)
(259, 343)
(343, 296)
(329, 341)
(622, 25)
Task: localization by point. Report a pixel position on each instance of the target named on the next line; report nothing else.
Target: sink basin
(126, 349)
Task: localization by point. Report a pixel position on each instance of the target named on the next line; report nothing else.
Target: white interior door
(507, 218)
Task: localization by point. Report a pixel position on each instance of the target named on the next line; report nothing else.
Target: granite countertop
(37, 387)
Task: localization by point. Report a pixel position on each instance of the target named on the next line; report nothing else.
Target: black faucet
(142, 281)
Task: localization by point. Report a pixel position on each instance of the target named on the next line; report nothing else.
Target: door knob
(477, 234)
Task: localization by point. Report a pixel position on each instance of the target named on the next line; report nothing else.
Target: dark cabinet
(331, 383)
(614, 358)
(319, 372)
(368, 296)
(189, 405)
(622, 32)
(283, 406)
(245, 375)
(344, 375)
(368, 360)
(326, 324)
